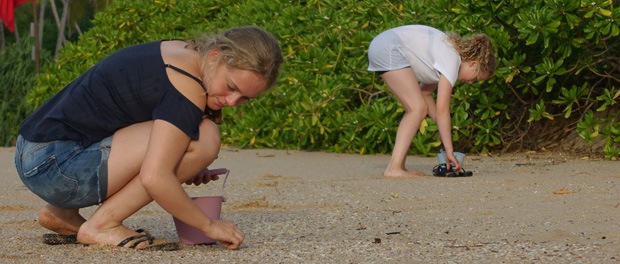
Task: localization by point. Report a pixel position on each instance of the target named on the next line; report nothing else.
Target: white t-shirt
(429, 53)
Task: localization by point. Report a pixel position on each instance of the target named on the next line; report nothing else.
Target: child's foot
(59, 220)
(403, 174)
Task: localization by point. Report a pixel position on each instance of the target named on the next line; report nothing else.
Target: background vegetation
(16, 79)
(558, 76)
(57, 23)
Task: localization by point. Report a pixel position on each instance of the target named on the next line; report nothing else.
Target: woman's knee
(200, 153)
(207, 146)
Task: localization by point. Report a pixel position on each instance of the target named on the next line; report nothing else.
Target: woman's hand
(205, 176)
(226, 232)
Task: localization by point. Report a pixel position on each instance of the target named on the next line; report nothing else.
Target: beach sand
(317, 207)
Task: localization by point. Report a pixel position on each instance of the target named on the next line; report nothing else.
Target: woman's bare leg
(404, 85)
(126, 195)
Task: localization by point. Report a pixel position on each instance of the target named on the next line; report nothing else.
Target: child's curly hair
(477, 47)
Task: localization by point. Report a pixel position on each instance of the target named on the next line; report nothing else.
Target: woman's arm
(166, 148)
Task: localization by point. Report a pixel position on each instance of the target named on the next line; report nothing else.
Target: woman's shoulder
(175, 47)
(177, 53)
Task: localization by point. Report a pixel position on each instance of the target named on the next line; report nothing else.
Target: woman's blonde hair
(477, 47)
(245, 48)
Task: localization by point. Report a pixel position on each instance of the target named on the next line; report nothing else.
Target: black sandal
(58, 239)
(441, 171)
(137, 239)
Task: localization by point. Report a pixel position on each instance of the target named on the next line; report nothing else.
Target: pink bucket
(211, 206)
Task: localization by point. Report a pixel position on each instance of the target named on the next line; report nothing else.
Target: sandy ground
(316, 207)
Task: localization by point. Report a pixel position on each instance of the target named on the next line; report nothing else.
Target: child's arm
(444, 123)
(427, 92)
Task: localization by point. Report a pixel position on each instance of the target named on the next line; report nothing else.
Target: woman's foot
(402, 174)
(90, 235)
(60, 220)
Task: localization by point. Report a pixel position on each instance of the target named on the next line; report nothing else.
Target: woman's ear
(213, 55)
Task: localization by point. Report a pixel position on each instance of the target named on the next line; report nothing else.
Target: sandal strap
(137, 239)
(147, 234)
(127, 240)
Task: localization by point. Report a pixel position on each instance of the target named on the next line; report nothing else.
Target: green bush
(558, 70)
(559, 63)
(125, 23)
(326, 99)
(17, 78)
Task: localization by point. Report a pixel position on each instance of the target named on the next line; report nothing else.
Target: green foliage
(80, 13)
(326, 99)
(124, 23)
(557, 62)
(17, 78)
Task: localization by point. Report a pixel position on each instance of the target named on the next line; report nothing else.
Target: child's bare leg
(60, 220)
(396, 168)
(404, 85)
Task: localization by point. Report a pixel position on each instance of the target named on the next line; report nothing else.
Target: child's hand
(451, 160)
(205, 176)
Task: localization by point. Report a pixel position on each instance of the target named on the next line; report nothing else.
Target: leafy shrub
(125, 23)
(17, 78)
(558, 70)
(326, 98)
(559, 63)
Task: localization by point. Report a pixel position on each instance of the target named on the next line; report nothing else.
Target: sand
(317, 207)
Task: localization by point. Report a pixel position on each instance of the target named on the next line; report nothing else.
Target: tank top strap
(188, 75)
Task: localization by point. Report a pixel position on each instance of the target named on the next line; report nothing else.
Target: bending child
(416, 60)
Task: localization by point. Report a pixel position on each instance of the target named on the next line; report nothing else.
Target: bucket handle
(219, 171)
(224, 184)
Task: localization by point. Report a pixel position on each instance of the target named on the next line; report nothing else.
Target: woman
(416, 60)
(131, 129)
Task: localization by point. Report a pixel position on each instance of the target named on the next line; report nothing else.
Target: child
(416, 60)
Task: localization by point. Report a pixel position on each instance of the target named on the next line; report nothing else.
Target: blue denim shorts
(64, 173)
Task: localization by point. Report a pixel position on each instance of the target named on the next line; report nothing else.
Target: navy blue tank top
(128, 87)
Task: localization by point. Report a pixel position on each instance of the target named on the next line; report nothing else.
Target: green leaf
(532, 38)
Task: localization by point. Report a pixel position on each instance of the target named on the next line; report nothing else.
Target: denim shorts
(64, 173)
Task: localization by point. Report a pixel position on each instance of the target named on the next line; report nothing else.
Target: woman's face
(468, 73)
(232, 87)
